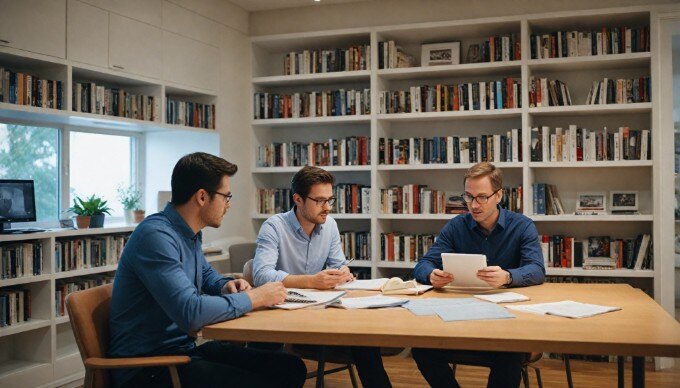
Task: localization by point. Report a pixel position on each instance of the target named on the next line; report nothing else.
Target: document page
(567, 308)
(370, 302)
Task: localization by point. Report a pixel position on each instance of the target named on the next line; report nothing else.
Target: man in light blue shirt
(165, 291)
(295, 247)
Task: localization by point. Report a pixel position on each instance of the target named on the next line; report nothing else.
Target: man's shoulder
(155, 224)
(517, 218)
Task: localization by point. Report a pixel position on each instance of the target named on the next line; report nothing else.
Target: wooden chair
(89, 311)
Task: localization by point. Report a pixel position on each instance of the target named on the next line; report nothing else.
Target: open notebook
(397, 286)
(300, 299)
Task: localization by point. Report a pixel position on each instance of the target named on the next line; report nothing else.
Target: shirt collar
(502, 220)
(180, 224)
(295, 223)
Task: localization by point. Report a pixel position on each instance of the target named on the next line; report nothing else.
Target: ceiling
(267, 5)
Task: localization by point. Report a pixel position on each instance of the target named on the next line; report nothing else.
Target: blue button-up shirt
(164, 289)
(283, 248)
(512, 245)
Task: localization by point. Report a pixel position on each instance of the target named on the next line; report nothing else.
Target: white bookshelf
(43, 350)
(570, 177)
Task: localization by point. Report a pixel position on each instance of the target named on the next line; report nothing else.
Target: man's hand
(329, 278)
(236, 286)
(439, 278)
(267, 295)
(495, 276)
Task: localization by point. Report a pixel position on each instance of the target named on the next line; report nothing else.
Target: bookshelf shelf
(442, 116)
(314, 79)
(441, 166)
(62, 319)
(361, 263)
(598, 164)
(85, 271)
(592, 110)
(618, 273)
(24, 280)
(396, 264)
(312, 121)
(8, 367)
(289, 170)
(337, 216)
(468, 70)
(596, 62)
(607, 218)
(415, 216)
(23, 327)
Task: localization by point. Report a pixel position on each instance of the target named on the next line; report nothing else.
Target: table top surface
(641, 328)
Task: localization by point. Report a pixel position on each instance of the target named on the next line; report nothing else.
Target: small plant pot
(83, 222)
(139, 216)
(97, 221)
(129, 216)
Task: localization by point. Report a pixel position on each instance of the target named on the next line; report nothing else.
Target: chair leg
(352, 376)
(538, 378)
(89, 378)
(525, 377)
(321, 366)
(174, 376)
(567, 368)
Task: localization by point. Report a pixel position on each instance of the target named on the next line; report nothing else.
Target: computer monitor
(17, 203)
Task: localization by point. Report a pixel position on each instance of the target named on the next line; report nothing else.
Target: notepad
(299, 299)
(370, 302)
(567, 308)
(503, 297)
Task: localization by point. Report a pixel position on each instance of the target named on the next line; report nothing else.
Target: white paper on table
(566, 308)
(368, 302)
(503, 297)
(363, 284)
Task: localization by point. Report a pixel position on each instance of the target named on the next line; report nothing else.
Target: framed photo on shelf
(435, 54)
(591, 203)
(624, 201)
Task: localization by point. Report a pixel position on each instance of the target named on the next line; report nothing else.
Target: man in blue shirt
(164, 292)
(295, 247)
(510, 243)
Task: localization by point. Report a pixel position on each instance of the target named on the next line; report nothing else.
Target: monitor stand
(5, 228)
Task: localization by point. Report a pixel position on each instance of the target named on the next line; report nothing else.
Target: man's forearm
(298, 281)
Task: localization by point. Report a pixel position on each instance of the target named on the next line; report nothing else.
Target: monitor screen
(17, 200)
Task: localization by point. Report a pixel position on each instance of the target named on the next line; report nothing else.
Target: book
(299, 299)
(397, 286)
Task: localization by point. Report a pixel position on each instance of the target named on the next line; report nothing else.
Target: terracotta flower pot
(139, 216)
(83, 222)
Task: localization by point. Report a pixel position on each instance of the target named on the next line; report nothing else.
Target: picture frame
(474, 54)
(591, 203)
(66, 223)
(624, 201)
(437, 54)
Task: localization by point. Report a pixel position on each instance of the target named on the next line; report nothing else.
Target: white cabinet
(88, 34)
(134, 47)
(38, 26)
(147, 11)
(190, 62)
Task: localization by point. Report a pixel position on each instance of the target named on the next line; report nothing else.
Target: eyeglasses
(481, 198)
(227, 197)
(322, 202)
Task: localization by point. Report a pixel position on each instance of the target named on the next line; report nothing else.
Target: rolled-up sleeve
(266, 256)
(160, 270)
(531, 270)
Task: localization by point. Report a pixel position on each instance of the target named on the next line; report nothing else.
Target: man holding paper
(301, 248)
(509, 241)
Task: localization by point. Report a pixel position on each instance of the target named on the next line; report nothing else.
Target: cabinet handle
(118, 67)
(4, 41)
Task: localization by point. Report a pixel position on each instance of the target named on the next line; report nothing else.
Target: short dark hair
(198, 171)
(307, 177)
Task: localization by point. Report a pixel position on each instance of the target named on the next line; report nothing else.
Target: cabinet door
(87, 34)
(38, 26)
(134, 47)
(187, 61)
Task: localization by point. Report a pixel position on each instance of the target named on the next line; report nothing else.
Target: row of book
(15, 306)
(620, 91)
(546, 200)
(19, 260)
(356, 245)
(581, 144)
(451, 149)
(27, 89)
(65, 287)
(547, 92)
(607, 40)
(90, 252)
(597, 252)
(350, 199)
(393, 56)
(274, 201)
(89, 97)
(350, 151)
(328, 60)
(501, 48)
(484, 95)
(312, 104)
(404, 247)
(192, 114)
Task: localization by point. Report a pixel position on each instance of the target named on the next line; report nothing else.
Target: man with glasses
(165, 291)
(302, 249)
(509, 241)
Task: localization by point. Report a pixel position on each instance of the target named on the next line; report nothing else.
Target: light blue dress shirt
(284, 249)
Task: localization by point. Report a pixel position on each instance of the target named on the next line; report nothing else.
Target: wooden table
(642, 328)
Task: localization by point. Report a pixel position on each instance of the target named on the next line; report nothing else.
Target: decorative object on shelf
(131, 199)
(138, 215)
(591, 204)
(434, 54)
(67, 223)
(474, 54)
(90, 212)
(624, 202)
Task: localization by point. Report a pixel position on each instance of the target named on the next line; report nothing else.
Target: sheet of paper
(473, 311)
(464, 269)
(320, 298)
(566, 308)
(363, 284)
(369, 302)
(428, 306)
(503, 297)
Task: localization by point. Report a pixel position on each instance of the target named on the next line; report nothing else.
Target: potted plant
(89, 212)
(131, 199)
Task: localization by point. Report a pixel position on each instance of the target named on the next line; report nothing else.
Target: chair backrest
(239, 254)
(248, 271)
(89, 312)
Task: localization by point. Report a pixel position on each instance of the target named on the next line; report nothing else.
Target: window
(99, 164)
(29, 152)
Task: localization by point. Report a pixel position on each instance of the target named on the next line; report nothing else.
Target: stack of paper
(503, 297)
(457, 309)
(369, 302)
(300, 298)
(567, 308)
(363, 284)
